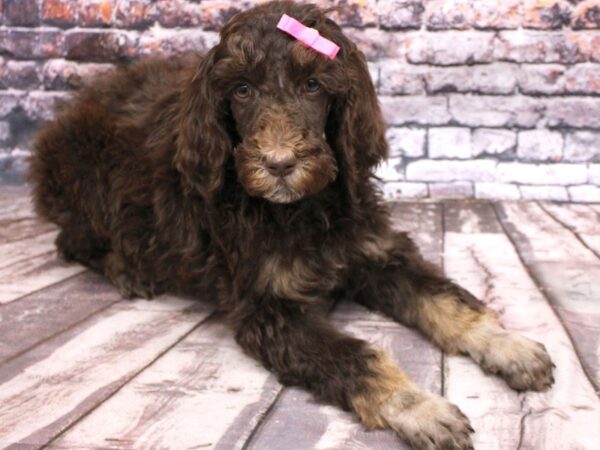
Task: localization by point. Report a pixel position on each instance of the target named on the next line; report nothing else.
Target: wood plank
(567, 271)
(14, 252)
(204, 393)
(16, 208)
(47, 389)
(296, 421)
(34, 273)
(16, 230)
(46, 313)
(580, 219)
(481, 258)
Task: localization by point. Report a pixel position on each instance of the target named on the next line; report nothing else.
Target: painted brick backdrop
(484, 98)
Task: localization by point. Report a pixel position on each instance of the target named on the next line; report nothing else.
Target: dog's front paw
(523, 363)
(428, 422)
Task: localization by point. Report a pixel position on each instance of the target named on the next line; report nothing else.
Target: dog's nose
(281, 167)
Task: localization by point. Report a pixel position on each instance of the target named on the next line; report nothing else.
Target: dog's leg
(394, 279)
(303, 349)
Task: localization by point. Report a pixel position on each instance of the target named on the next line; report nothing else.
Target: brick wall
(484, 98)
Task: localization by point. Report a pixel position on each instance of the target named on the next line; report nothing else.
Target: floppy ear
(356, 126)
(203, 141)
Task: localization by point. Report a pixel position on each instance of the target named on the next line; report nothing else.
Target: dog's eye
(242, 90)
(313, 85)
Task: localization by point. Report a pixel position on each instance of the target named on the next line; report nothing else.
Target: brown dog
(249, 172)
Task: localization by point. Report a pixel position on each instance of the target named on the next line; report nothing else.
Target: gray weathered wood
(580, 219)
(204, 393)
(16, 230)
(481, 258)
(31, 274)
(296, 421)
(45, 313)
(16, 208)
(47, 389)
(568, 272)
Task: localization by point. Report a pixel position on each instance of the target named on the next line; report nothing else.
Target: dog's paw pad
(523, 363)
(431, 423)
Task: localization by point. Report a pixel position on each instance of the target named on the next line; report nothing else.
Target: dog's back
(95, 158)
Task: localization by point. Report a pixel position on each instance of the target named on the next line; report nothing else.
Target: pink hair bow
(308, 36)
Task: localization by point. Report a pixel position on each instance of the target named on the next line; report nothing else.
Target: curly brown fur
(248, 174)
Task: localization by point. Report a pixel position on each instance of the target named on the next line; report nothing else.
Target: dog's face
(283, 154)
(291, 119)
(280, 94)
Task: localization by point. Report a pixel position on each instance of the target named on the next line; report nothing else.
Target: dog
(249, 174)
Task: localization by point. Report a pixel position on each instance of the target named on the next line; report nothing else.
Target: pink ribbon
(308, 36)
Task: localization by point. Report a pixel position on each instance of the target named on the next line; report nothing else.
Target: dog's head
(292, 119)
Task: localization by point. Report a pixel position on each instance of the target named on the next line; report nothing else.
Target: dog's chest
(303, 277)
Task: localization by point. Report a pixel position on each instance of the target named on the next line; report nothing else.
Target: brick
(582, 146)
(401, 78)
(497, 14)
(96, 13)
(495, 111)
(441, 170)
(546, 79)
(164, 41)
(415, 110)
(21, 75)
(450, 47)
(59, 12)
(103, 46)
(489, 141)
(21, 12)
(556, 193)
(390, 170)
(583, 79)
(541, 174)
(4, 132)
(498, 78)
(459, 189)
(400, 14)
(449, 143)
(594, 174)
(540, 145)
(30, 44)
(59, 74)
(178, 13)
(41, 106)
(524, 46)
(497, 191)
(215, 14)
(448, 14)
(585, 194)
(594, 47)
(9, 101)
(586, 15)
(2, 72)
(135, 13)
(577, 112)
(546, 14)
(408, 142)
(394, 190)
(377, 44)
(353, 13)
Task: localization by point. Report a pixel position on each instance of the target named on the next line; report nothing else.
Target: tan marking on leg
(387, 380)
(456, 328)
(425, 421)
(453, 325)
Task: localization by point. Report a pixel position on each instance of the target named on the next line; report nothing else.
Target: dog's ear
(356, 127)
(203, 140)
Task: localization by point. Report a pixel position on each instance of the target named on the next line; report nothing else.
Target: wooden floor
(82, 369)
